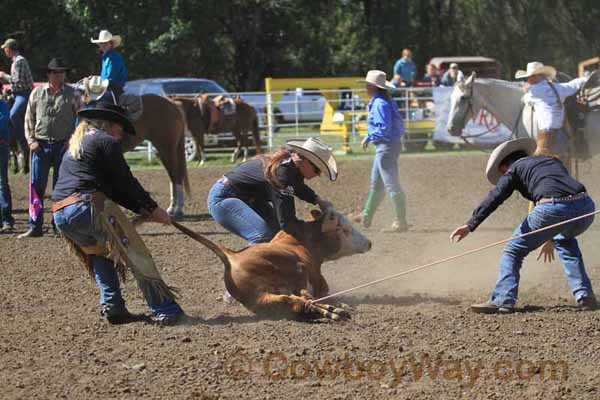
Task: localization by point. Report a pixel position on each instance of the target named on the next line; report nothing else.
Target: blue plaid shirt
(20, 78)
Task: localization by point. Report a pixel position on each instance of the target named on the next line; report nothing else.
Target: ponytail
(271, 164)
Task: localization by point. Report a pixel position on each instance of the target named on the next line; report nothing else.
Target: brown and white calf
(280, 278)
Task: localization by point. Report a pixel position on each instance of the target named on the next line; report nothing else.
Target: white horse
(503, 100)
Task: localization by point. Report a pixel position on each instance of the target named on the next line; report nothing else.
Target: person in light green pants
(385, 131)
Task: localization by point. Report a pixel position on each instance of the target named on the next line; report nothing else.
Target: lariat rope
(364, 285)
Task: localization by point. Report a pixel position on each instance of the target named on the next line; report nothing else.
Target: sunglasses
(317, 170)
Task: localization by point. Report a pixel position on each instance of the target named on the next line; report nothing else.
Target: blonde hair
(84, 126)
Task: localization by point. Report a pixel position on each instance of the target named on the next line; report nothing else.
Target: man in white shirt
(547, 100)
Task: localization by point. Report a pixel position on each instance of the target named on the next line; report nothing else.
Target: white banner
(483, 122)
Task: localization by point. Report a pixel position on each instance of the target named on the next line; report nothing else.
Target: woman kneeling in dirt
(93, 174)
(558, 197)
(256, 199)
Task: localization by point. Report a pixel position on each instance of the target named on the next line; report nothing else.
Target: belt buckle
(87, 197)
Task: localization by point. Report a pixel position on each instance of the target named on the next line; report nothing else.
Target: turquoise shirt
(406, 69)
(113, 68)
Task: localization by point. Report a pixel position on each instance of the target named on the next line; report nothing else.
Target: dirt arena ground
(410, 338)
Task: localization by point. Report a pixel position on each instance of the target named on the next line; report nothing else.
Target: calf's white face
(351, 240)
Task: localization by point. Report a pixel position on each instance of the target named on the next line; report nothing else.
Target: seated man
(113, 66)
(558, 197)
(452, 76)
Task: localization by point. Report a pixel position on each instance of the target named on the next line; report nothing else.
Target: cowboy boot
(399, 225)
(366, 216)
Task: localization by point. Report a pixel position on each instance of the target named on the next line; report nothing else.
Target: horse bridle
(469, 113)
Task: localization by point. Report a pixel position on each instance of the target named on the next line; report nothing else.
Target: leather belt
(565, 199)
(72, 199)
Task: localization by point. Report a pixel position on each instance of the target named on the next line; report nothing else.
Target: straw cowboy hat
(57, 64)
(106, 36)
(318, 153)
(95, 87)
(108, 112)
(536, 68)
(377, 78)
(492, 170)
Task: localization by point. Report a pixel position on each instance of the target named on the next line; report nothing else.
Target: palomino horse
(503, 100)
(240, 123)
(163, 124)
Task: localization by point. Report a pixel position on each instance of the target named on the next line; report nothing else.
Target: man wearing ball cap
(557, 196)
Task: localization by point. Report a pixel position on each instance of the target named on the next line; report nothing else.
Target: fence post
(149, 151)
(270, 117)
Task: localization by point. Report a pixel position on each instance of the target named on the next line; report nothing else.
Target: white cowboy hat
(318, 153)
(536, 68)
(106, 36)
(377, 78)
(95, 87)
(492, 170)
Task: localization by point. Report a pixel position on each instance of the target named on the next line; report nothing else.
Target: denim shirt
(384, 121)
(4, 118)
(113, 68)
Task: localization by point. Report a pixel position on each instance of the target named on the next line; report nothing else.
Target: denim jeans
(49, 155)
(384, 174)
(254, 221)
(75, 222)
(6, 217)
(563, 237)
(17, 118)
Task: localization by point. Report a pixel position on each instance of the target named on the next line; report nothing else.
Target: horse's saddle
(222, 112)
(133, 105)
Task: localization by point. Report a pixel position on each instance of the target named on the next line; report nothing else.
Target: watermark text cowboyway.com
(278, 366)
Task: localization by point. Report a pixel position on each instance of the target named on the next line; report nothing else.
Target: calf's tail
(215, 248)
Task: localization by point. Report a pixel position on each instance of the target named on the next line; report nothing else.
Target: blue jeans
(17, 118)
(563, 237)
(254, 221)
(48, 156)
(75, 222)
(6, 217)
(384, 173)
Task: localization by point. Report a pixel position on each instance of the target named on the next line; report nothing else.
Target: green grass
(138, 160)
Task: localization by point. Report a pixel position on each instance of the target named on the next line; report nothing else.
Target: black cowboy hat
(57, 64)
(108, 112)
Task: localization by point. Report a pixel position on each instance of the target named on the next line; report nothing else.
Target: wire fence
(338, 116)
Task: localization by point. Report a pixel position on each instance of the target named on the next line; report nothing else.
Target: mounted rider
(113, 66)
(547, 99)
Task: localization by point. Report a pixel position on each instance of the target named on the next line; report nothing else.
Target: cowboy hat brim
(108, 115)
(388, 84)
(61, 69)
(101, 90)
(492, 170)
(329, 165)
(546, 70)
(116, 39)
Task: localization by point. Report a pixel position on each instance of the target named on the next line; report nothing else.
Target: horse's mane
(509, 84)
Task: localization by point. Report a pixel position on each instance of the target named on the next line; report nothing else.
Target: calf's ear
(316, 214)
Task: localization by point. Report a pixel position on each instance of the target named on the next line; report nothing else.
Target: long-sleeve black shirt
(535, 178)
(103, 168)
(249, 181)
